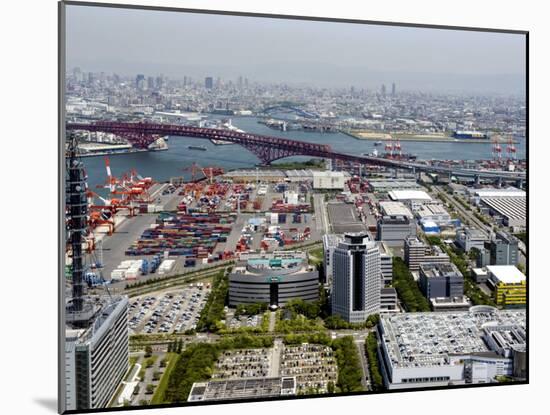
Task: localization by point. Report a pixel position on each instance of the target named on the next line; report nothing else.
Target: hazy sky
(320, 53)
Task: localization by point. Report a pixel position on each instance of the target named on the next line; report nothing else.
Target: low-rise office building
(388, 300)
(469, 238)
(509, 285)
(441, 349)
(273, 279)
(504, 249)
(441, 281)
(418, 252)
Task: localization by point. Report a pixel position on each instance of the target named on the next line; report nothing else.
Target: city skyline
(296, 52)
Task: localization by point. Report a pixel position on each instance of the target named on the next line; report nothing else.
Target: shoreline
(428, 140)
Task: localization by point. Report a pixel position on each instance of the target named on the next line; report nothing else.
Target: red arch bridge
(268, 148)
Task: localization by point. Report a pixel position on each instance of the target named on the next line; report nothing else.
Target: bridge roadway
(268, 148)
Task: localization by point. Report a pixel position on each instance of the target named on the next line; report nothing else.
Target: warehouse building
(246, 176)
(418, 252)
(96, 358)
(441, 349)
(509, 285)
(381, 186)
(411, 196)
(331, 180)
(216, 390)
(510, 209)
(273, 279)
(389, 208)
(393, 230)
(432, 212)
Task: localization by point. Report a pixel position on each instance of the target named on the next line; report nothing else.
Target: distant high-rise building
(393, 92)
(150, 83)
(159, 82)
(383, 90)
(357, 278)
(140, 81)
(240, 82)
(209, 82)
(246, 82)
(185, 81)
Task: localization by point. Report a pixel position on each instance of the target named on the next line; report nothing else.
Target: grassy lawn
(159, 393)
(316, 256)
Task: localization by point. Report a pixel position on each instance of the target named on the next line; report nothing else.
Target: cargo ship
(201, 148)
(469, 135)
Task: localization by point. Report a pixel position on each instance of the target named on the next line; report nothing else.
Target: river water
(162, 165)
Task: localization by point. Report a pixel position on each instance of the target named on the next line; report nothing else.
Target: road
(321, 219)
(365, 379)
(466, 214)
(486, 229)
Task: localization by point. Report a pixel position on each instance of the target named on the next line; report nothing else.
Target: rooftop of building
(506, 274)
(328, 173)
(472, 233)
(434, 270)
(429, 339)
(242, 388)
(390, 208)
(278, 262)
(429, 209)
(104, 308)
(394, 219)
(409, 195)
(496, 192)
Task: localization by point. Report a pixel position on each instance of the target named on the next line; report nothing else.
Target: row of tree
(213, 311)
(371, 346)
(349, 365)
(336, 322)
(407, 288)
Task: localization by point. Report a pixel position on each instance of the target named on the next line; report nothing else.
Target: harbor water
(162, 165)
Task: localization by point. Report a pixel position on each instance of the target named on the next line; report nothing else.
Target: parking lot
(313, 365)
(245, 363)
(344, 218)
(173, 311)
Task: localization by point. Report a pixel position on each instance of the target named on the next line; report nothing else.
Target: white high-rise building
(357, 278)
(96, 357)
